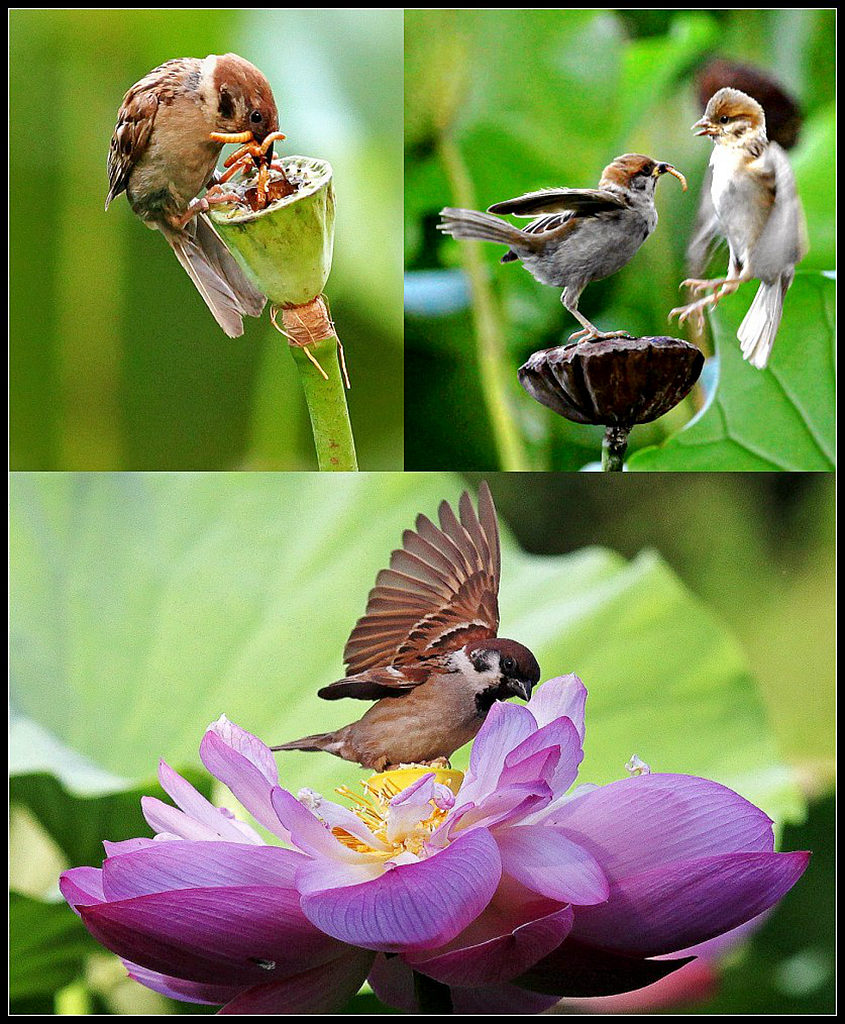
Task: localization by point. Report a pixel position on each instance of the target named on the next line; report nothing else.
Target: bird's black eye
(256, 117)
(724, 119)
(508, 665)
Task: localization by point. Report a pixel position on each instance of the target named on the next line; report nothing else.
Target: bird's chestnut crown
(244, 98)
(731, 114)
(635, 171)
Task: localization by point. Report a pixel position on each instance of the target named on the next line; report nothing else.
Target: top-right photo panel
(620, 240)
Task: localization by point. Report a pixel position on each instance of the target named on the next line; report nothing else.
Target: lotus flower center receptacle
(401, 833)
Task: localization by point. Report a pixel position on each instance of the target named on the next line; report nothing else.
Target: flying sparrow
(757, 209)
(783, 126)
(581, 236)
(170, 130)
(426, 649)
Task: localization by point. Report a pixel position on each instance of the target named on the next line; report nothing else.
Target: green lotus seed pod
(286, 249)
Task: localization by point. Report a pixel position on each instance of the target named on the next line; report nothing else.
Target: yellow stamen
(373, 808)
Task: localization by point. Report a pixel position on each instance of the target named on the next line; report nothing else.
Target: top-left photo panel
(205, 237)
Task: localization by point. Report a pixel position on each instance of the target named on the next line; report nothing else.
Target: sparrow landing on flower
(757, 209)
(426, 649)
(582, 235)
(170, 130)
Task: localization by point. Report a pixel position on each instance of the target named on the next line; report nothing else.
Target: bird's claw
(698, 285)
(693, 309)
(586, 334)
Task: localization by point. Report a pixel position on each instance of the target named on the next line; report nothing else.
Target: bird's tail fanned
(484, 227)
(759, 328)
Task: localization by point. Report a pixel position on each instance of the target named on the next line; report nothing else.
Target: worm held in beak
(669, 169)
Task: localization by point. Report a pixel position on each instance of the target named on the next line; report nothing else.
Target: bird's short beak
(669, 169)
(704, 127)
(520, 688)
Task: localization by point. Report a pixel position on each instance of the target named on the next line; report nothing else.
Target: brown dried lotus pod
(613, 382)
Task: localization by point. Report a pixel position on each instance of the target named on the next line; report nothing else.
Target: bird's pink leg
(214, 197)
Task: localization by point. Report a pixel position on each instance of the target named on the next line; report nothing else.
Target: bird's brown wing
(440, 592)
(557, 200)
(135, 121)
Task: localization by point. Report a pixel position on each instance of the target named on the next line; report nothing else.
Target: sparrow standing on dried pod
(426, 649)
(170, 130)
(757, 209)
(581, 235)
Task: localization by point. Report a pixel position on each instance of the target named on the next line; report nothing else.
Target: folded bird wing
(440, 592)
(556, 200)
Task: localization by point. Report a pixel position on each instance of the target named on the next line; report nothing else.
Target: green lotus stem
(613, 448)
(326, 400)
(490, 343)
(286, 250)
(432, 996)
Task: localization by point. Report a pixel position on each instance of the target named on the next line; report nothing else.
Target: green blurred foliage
(115, 361)
(545, 97)
(147, 604)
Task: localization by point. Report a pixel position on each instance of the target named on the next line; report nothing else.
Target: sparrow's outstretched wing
(440, 592)
(556, 200)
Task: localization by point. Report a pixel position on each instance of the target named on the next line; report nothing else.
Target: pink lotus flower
(505, 890)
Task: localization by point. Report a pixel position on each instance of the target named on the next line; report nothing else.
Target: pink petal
(195, 805)
(494, 948)
(563, 697)
(670, 908)
(222, 936)
(246, 766)
(324, 989)
(162, 817)
(82, 887)
(413, 906)
(182, 864)
(311, 835)
(542, 858)
(507, 804)
(560, 735)
(126, 846)
(505, 727)
(642, 822)
(177, 988)
(337, 816)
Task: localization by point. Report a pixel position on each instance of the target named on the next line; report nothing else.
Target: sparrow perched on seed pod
(581, 235)
(163, 155)
(757, 209)
(426, 649)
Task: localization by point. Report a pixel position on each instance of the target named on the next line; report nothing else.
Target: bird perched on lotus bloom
(757, 209)
(426, 649)
(581, 235)
(170, 130)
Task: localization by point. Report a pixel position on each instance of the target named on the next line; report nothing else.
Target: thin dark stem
(613, 449)
(432, 996)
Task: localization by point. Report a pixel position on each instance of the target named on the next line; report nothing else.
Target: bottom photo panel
(422, 743)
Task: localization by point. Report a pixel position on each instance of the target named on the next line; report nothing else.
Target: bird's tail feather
(319, 741)
(759, 328)
(207, 263)
(484, 227)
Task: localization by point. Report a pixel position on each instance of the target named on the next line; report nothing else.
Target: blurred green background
(697, 609)
(499, 102)
(115, 361)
